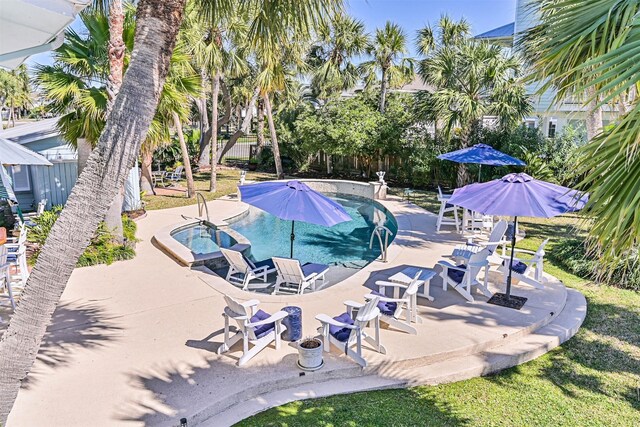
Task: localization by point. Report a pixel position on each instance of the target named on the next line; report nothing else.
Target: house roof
(29, 132)
(499, 33)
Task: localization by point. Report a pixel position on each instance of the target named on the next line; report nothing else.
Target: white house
(549, 116)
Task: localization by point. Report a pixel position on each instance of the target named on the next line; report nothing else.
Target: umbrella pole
(513, 246)
(293, 236)
(479, 172)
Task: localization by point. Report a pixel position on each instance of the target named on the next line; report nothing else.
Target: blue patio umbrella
(516, 195)
(482, 154)
(294, 201)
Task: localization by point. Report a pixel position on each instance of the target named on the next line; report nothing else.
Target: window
(20, 177)
(552, 129)
(530, 123)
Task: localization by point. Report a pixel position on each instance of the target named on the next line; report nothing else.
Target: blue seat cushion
(262, 330)
(266, 262)
(519, 267)
(456, 275)
(338, 332)
(310, 268)
(386, 307)
(448, 205)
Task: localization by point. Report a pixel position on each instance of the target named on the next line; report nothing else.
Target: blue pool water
(345, 244)
(202, 239)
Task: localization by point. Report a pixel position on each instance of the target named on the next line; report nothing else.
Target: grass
(591, 380)
(227, 181)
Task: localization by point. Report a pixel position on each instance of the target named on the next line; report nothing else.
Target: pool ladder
(202, 202)
(378, 232)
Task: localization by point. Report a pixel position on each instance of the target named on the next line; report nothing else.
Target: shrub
(571, 253)
(101, 250)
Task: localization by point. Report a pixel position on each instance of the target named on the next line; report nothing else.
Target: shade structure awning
(482, 154)
(294, 201)
(28, 27)
(12, 153)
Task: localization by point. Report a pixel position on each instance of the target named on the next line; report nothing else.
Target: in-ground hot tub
(202, 238)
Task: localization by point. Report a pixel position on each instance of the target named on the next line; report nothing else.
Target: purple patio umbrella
(481, 154)
(294, 201)
(518, 194)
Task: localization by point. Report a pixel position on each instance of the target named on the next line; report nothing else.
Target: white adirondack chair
(496, 238)
(527, 270)
(242, 270)
(347, 330)
(255, 328)
(463, 277)
(5, 277)
(391, 308)
(42, 204)
(176, 175)
(290, 272)
(445, 208)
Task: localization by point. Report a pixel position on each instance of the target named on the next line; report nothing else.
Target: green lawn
(591, 380)
(226, 184)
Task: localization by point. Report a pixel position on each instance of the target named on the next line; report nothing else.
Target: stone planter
(310, 354)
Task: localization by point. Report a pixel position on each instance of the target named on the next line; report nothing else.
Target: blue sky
(413, 14)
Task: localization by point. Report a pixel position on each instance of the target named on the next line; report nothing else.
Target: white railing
(378, 232)
(200, 197)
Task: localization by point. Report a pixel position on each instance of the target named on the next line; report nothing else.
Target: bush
(101, 250)
(571, 254)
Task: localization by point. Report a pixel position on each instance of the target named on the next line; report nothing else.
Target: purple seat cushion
(456, 275)
(519, 267)
(310, 267)
(268, 262)
(338, 332)
(388, 308)
(262, 330)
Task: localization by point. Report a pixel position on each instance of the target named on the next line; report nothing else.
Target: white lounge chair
(242, 270)
(176, 175)
(445, 208)
(391, 308)
(5, 277)
(527, 270)
(346, 330)
(255, 327)
(290, 272)
(42, 204)
(463, 277)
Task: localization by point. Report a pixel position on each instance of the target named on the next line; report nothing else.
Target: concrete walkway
(134, 343)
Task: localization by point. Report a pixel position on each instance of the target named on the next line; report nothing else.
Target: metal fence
(243, 150)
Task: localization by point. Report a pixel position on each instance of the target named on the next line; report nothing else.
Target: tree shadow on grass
(74, 327)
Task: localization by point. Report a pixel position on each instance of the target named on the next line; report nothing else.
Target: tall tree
(108, 166)
(388, 47)
(589, 48)
(471, 79)
(330, 57)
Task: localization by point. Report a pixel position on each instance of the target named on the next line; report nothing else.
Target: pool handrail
(204, 202)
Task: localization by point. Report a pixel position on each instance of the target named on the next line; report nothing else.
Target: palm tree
(471, 80)
(157, 23)
(106, 171)
(339, 40)
(15, 92)
(588, 48)
(387, 48)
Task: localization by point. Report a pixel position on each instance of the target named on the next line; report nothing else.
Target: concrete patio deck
(134, 343)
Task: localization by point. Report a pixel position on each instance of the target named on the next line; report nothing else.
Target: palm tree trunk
(205, 130)
(594, 116)
(244, 127)
(146, 180)
(214, 131)
(274, 137)
(83, 148)
(191, 188)
(260, 128)
(158, 22)
(383, 91)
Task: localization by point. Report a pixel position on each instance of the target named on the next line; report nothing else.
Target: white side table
(406, 276)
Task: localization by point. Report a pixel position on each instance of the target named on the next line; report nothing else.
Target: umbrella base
(511, 302)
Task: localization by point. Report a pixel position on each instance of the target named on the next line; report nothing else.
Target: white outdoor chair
(5, 277)
(347, 330)
(463, 277)
(242, 270)
(496, 238)
(255, 327)
(476, 222)
(290, 272)
(42, 204)
(527, 270)
(391, 308)
(445, 208)
(176, 175)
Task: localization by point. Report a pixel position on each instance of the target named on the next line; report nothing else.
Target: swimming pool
(201, 238)
(345, 244)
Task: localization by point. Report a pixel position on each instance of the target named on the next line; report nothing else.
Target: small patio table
(406, 276)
